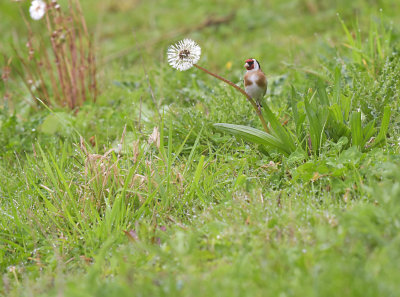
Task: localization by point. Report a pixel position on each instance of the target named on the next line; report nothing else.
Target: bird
(255, 81)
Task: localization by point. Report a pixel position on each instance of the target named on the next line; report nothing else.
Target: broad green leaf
(254, 135)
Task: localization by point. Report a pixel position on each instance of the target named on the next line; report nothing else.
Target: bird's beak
(246, 65)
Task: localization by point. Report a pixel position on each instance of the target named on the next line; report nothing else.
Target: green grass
(90, 207)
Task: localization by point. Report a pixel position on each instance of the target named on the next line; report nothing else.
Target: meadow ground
(95, 202)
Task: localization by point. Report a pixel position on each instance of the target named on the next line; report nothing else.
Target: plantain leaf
(255, 136)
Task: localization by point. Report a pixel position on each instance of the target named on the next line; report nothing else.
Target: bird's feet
(259, 106)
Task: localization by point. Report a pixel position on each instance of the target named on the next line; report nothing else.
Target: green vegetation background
(205, 214)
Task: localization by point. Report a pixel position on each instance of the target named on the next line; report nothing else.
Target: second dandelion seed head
(37, 9)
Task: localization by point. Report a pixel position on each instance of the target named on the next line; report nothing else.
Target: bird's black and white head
(252, 64)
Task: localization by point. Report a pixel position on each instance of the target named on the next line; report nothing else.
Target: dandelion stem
(253, 103)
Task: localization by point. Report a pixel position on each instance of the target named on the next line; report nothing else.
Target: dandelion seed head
(37, 9)
(184, 54)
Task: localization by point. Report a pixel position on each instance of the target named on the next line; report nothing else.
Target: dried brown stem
(253, 103)
(81, 68)
(80, 13)
(57, 58)
(91, 59)
(67, 72)
(66, 68)
(73, 53)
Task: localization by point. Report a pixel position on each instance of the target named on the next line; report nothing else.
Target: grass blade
(384, 125)
(337, 85)
(368, 131)
(321, 90)
(356, 129)
(317, 117)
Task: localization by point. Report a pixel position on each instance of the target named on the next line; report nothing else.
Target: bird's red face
(249, 65)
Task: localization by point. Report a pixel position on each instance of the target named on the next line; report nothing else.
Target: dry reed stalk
(66, 74)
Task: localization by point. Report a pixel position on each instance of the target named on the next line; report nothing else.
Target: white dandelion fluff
(37, 9)
(184, 54)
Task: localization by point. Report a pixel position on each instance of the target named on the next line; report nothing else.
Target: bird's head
(252, 64)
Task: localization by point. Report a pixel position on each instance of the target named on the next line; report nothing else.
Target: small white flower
(184, 54)
(37, 9)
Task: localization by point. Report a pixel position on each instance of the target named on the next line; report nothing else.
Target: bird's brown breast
(258, 77)
(247, 81)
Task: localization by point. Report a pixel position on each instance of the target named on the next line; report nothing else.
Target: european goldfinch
(255, 81)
